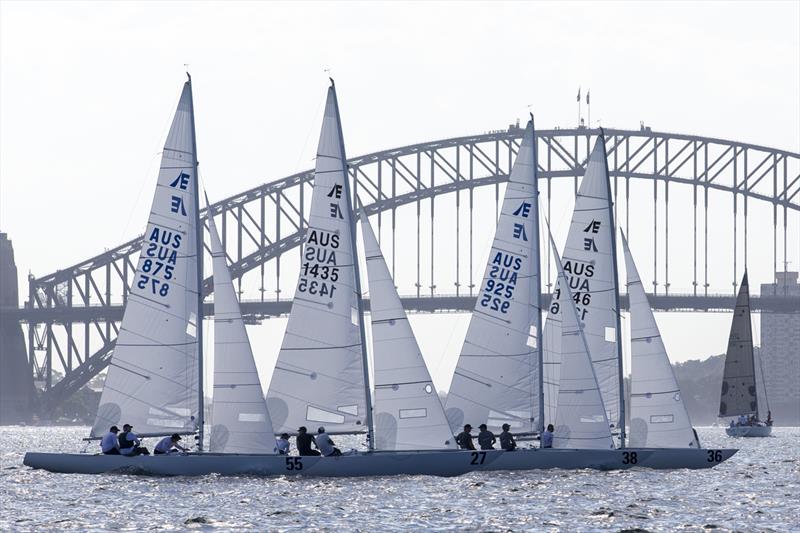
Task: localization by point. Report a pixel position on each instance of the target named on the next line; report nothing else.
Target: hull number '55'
(294, 463)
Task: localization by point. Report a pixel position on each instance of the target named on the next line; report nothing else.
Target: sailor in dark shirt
(486, 438)
(464, 439)
(507, 441)
(304, 441)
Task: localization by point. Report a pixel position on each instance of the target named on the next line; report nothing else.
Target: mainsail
(581, 420)
(658, 415)
(240, 421)
(408, 411)
(496, 379)
(590, 266)
(739, 395)
(152, 381)
(319, 377)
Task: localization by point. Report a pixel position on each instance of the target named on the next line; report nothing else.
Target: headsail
(152, 381)
(496, 379)
(240, 421)
(590, 266)
(658, 415)
(319, 376)
(408, 411)
(739, 395)
(581, 420)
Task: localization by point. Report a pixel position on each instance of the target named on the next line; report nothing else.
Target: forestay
(590, 266)
(496, 379)
(739, 395)
(658, 415)
(319, 376)
(408, 411)
(240, 421)
(581, 421)
(152, 379)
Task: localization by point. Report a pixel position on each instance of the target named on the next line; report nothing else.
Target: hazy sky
(87, 91)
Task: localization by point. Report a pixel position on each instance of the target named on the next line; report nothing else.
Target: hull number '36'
(714, 456)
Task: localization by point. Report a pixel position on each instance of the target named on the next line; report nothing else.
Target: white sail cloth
(408, 411)
(496, 379)
(240, 421)
(581, 421)
(152, 380)
(658, 415)
(739, 394)
(319, 375)
(590, 266)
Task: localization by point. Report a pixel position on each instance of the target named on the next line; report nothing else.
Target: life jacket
(124, 443)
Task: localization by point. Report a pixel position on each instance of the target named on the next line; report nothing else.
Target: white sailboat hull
(749, 431)
(435, 463)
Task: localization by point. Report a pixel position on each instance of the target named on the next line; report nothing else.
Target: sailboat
(739, 395)
(323, 356)
(497, 378)
(659, 418)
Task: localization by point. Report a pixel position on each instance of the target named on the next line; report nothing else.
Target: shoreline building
(780, 352)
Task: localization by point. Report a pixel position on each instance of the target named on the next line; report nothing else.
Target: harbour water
(757, 490)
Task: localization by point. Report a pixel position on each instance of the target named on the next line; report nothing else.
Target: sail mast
(357, 274)
(199, 251)
(537, 263)
(615, 281)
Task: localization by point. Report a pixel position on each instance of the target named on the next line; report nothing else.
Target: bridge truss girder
(261, 225)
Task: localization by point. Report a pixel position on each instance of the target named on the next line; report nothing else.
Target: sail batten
(502, 342)
(319, 377)
(152, 381)
(659, 418)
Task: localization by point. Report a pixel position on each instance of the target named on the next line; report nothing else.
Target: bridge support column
(17, 394)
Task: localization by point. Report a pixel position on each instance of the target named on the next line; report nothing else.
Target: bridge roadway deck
(416, 304)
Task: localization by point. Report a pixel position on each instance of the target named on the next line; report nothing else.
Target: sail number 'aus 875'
(319, 271)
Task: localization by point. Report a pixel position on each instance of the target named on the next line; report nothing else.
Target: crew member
(109, 444)
(464, 439)
(304, 442)
(325, 444)
(129, 443)
(547, 437)
(282, 444)
(486, 438)
(507, 441)
(169, 445)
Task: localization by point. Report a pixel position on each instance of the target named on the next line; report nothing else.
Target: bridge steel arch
(260, 226)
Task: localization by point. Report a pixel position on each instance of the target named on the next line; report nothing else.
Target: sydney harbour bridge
(431, 201)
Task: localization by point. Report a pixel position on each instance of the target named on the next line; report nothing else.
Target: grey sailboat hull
(749, 431)
(436, 463)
